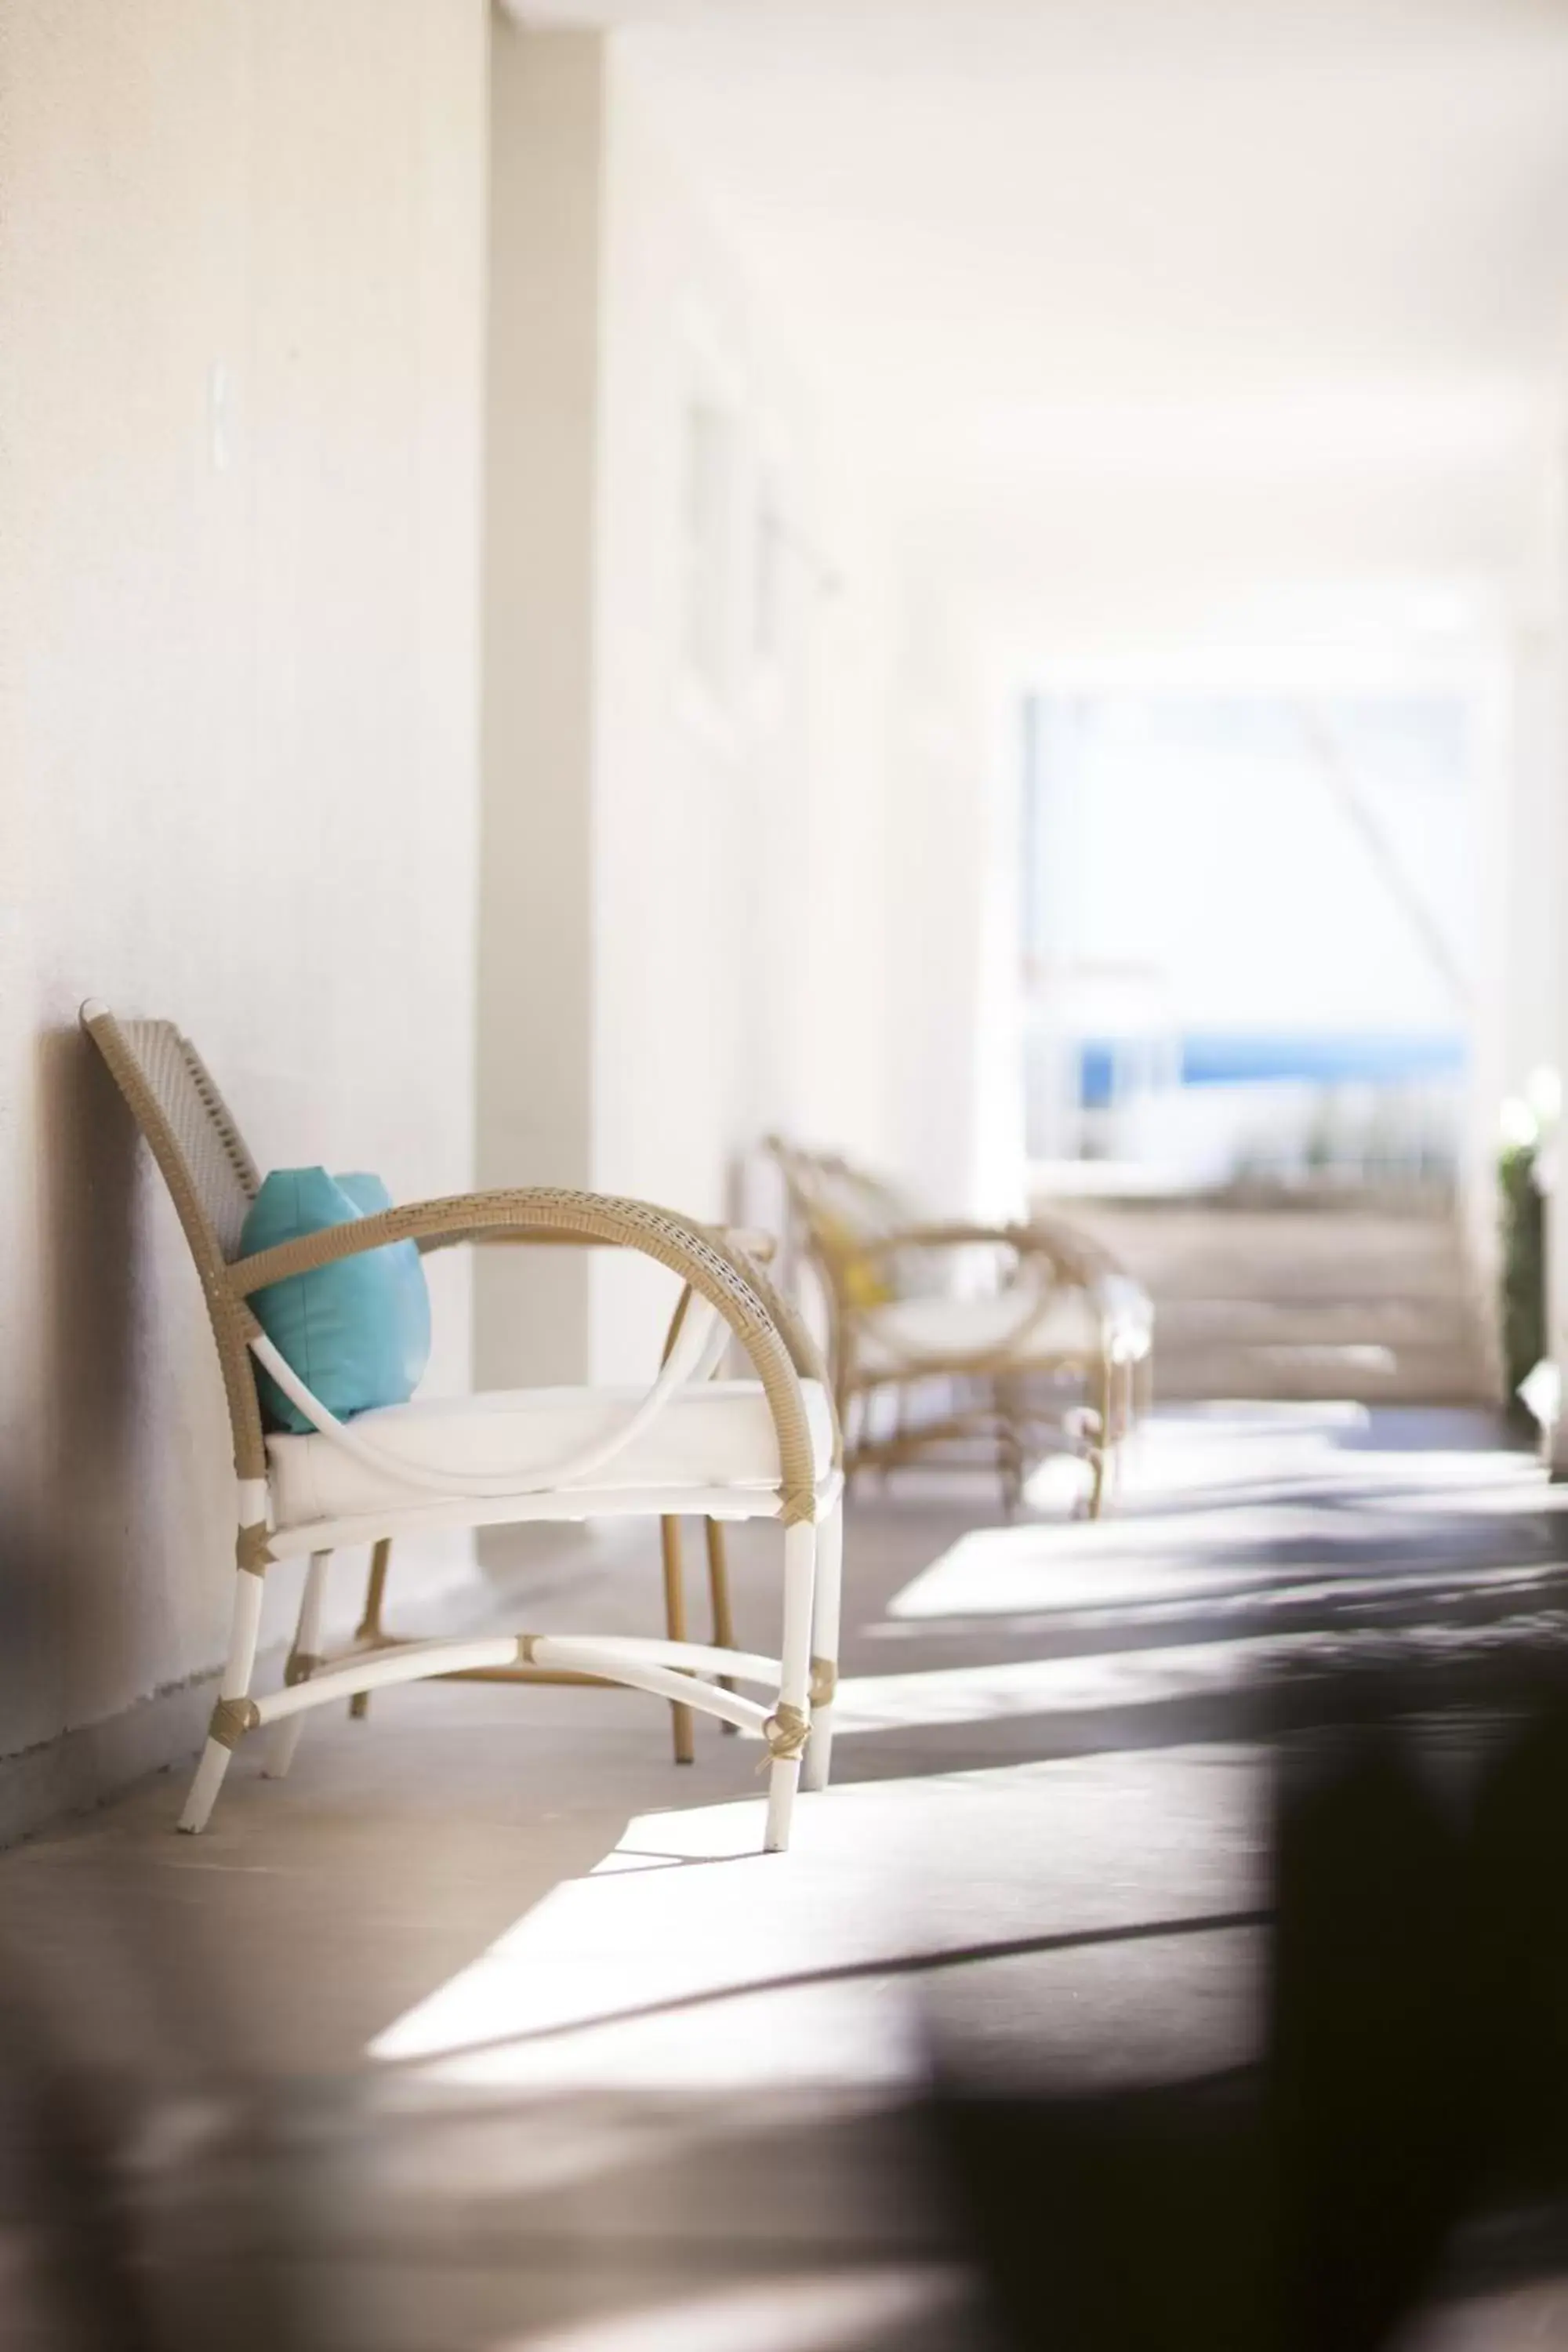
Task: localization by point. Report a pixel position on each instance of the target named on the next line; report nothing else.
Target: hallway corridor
(489, 2027)
(1300, 1300)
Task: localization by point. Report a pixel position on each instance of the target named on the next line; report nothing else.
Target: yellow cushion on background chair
(862, 1284)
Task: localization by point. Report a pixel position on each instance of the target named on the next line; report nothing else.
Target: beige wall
(690, 933)
(535, 1000)
(941, 853)
(239, 416)
(725, 807)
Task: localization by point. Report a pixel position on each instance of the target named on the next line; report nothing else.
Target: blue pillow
(357, 1332)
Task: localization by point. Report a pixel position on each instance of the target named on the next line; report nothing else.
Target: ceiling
(1116, 272)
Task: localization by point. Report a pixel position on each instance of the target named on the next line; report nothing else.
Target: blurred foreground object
(1403, 2144)
(1522, 1214)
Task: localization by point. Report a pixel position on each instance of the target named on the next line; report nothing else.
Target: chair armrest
(752, 1242)
(1076, 1257)
(1063, 1234)
(749, 1242)
(939, 1236)
(1027, 1240)
(708, 1260)
(530, 1213)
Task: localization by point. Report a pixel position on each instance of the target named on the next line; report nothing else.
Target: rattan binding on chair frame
(212, 1180)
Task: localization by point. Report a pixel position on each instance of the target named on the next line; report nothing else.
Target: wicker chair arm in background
(1091, 1259)
(1027, 1240)
(1076, 1257)
(952, 1236)
(1010, 1351)
(715, 1268)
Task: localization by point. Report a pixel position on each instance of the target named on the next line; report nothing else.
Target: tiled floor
(491, 2028)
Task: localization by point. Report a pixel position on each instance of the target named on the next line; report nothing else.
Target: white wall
(536, 949)
(1531, 825)
(723, 853)
(1538, 1026)
(238, 499)
(741, 876)
(1534, 851)
(947, 799)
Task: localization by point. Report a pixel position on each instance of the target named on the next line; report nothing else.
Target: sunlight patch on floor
(649, 1970)
(704, 1964)
(787, 2314)
(1032, 1572)
(1217, 1447)
(1125, 1678)
(822, 2038)
(1024, 1570)
(1028, 1687)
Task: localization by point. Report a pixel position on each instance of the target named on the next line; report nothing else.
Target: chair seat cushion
(946, 1330)
(719, 1435)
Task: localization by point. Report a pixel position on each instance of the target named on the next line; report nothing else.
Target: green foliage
(1523, 1215)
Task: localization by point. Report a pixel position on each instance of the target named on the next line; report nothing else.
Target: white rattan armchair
(765, 1448)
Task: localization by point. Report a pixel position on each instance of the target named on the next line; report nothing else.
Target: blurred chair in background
(949, 1341)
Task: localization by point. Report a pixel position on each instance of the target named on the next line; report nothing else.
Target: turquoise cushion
(357, 1332)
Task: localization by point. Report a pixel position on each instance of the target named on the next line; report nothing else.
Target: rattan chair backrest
(211, 1177)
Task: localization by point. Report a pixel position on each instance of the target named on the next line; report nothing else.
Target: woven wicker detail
(253, 1550)
(787, 1731)
(211, 1179)
(221, 1170)
(301, 1664)
(824, 1682)
(805, 1354)
(771, 1336)
(231, 1719)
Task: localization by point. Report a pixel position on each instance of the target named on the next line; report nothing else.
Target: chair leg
(1121, 1426)
(896, 1435)
(302, 1661)
(1144, 1387)
(852, 1412)
(681, 1720)
(719, 1600)
(234, 1684)
(824, 1617)
(369, 1625)
(1104, 1399)
(795, 1684)
(1009, 1450)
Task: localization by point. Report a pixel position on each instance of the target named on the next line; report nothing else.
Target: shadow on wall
(79, 1599)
